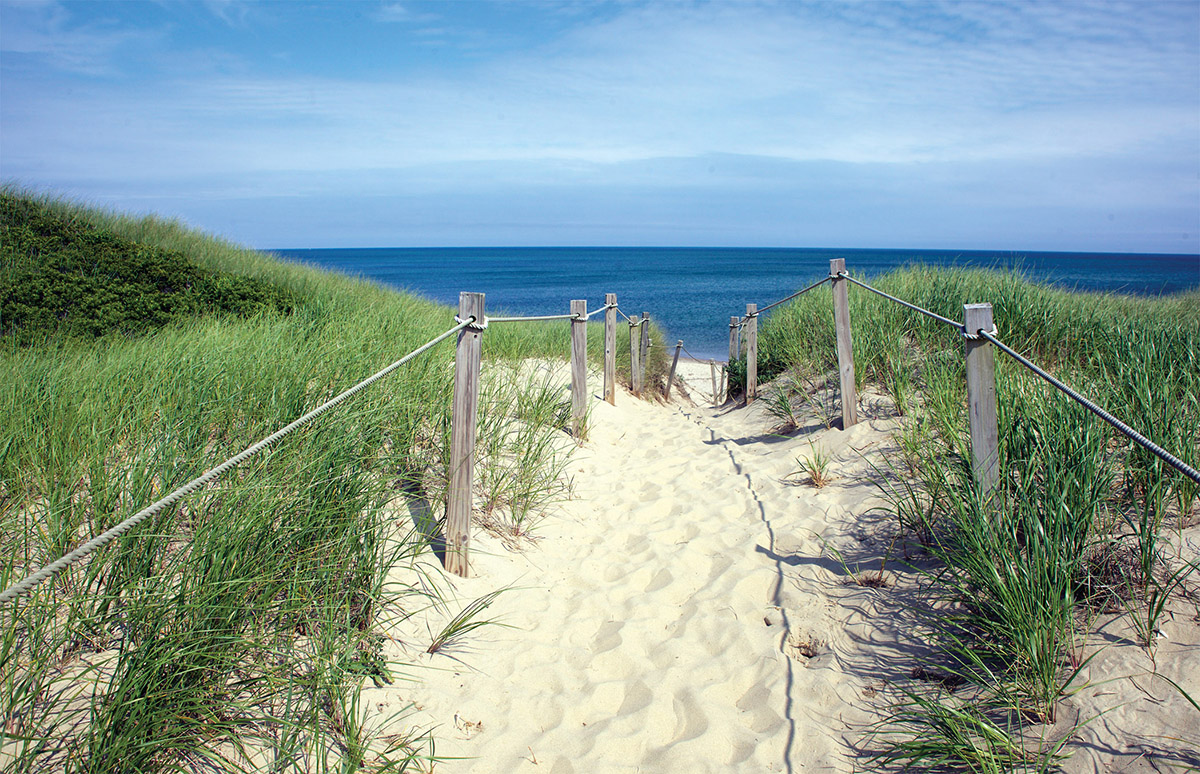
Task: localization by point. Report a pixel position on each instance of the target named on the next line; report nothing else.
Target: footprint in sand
(607, 637)
(649, 492)
(660, 581)
(637, 697)
(758, 715)
(690, 722)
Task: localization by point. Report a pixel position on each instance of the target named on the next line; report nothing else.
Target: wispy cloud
(627, 95)
(46, 31)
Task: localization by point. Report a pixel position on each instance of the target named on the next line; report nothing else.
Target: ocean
(692, 292)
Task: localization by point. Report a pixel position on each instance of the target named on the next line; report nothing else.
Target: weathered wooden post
(644, 353)
(981, 397)
(462, 433)
(751, 352)
(845, 349)
(579, 365)
(610, 348)
(674, 363)
(716, 380)
(635, 367)
(733, 339)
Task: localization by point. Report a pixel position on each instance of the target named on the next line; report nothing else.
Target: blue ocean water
(693, 292)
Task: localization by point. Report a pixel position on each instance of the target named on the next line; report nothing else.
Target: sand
(694, 608)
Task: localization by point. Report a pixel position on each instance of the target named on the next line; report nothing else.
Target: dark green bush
(61, 276)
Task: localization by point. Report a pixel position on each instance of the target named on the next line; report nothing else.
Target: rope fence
(470, 323)
(533, 318)
(797, 294)
(1125, 429)
(914, 307)
(26, 585)
(979, 330)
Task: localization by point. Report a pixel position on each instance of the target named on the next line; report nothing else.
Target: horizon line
(732, 247)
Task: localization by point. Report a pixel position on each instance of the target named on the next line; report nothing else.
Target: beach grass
(1082, 515)
(235, 628)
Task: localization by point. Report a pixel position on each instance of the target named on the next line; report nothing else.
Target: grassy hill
(66, 277)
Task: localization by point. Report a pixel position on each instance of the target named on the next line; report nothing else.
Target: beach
(700, 606)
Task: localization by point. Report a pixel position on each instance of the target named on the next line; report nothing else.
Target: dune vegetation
(235, 628)
(1083, 519)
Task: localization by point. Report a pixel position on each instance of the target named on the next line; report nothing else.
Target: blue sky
(962, 125)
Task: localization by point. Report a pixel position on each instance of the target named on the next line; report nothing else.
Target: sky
(1033, 125)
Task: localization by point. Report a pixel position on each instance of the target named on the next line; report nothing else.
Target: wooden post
(751, 352)
(733, 339)
(635, 368)
(644, 353)
(712, 369)
(674, 363)
(981, 398)
(462, 434)
(610, 348)
(579, 365)
(845, 349)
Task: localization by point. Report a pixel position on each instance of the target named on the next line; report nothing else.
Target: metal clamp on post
(472, 323)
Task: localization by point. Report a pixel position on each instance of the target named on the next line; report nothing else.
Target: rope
(914, 307)
(533, 319)
(631, 322)
(595, 312)
(1164, 455)
(698, 360)
(24, 586)
(816, 284)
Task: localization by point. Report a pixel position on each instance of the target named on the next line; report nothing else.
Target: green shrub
(63, 276)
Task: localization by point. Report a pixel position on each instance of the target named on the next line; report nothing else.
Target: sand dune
(692, 609)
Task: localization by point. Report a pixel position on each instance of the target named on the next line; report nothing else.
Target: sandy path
(651, 620)
(692, 610)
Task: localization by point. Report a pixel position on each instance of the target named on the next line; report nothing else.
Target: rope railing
(1125, 429)
(976, 328)
(533, 318)
(470, 320)
(30, 582)
(716, 374)
(797, 294)
(545, 317)
(991, 336)
(902, 302)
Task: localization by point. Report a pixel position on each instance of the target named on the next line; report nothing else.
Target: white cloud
(44, 30)
(617, 96)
